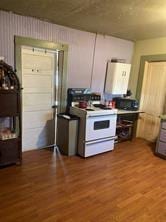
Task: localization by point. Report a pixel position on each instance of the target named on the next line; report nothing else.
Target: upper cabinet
(117, 78)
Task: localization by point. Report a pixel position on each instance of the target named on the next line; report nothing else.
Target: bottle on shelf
(8, 78)
(13, 80)
(4, 80)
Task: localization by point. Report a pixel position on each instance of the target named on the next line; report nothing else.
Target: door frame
(47, 45)
(143, 60)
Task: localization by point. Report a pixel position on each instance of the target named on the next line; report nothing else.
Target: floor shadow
(152, 146)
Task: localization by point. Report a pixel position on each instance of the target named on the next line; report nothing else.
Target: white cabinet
(161, 143)
(117, 78)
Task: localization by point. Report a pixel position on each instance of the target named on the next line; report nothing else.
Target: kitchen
(97, 121)
(94, 50)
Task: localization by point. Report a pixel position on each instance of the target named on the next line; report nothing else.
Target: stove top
(93, 111)
(101, 106)
(89, 109)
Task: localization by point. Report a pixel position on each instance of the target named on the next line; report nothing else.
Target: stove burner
(90, 109)
(105, 107)
(101, 106)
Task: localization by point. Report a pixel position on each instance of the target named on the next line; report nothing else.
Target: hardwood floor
(125, 185)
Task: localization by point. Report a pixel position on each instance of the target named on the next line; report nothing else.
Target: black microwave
(126, 103)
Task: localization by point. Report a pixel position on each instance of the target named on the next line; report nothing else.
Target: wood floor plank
(125, 185)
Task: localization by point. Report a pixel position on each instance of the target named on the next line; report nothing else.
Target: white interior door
(38, 68)
(153, 100)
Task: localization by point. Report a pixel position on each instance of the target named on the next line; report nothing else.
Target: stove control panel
(85, 97)
(81, 94)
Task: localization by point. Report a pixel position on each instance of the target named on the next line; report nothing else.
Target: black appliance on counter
(126, 103)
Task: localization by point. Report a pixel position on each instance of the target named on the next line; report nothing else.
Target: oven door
(102, 126)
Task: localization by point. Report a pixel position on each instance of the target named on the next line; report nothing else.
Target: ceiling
(127, 19)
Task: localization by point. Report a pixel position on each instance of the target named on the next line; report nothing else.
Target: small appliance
(126, 103)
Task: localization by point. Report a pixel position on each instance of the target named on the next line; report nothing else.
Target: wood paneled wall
(81, 47)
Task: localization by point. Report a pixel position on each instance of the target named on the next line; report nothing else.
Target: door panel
(32, 71)
(38, 98)
(34, 101)
(153, 97)
(36, 60)
(38, 119)
(38, 84)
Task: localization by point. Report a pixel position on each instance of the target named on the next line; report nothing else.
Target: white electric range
(97, 129)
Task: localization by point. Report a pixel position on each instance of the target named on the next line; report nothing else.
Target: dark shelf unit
(10, 149)
(124, 131)
(126, 126)
(10, 116)
(10, 103)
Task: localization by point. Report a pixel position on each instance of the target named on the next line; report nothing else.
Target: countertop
(122, 111)
(163, 117)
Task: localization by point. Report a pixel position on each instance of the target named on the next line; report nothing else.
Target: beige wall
(144, 47)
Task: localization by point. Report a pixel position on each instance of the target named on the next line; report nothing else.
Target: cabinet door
(163, 135)
(9, 103)
(163, 125)
(117, 78)
(9, 151)
(111, 68)
(125, 74)
(162, 148)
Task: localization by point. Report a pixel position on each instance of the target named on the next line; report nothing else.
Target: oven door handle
(98, 115)
(101, 140)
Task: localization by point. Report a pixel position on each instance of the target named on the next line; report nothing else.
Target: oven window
(98, 125)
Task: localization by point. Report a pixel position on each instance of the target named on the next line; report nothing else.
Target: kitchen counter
(122, 111)
(163, 117)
